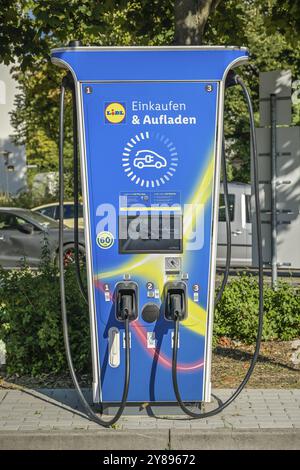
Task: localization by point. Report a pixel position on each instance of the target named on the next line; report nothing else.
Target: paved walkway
(51, 419)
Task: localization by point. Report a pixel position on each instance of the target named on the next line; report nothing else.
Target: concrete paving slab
(39, 420)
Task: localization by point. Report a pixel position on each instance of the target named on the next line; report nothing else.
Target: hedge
(30, 321)
(236, 316)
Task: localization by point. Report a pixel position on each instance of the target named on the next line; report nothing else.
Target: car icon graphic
(149, 159)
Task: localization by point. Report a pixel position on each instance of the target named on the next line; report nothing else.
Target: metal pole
(273, 190)
(7, 188)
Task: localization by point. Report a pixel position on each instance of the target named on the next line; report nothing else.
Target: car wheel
(69, 255)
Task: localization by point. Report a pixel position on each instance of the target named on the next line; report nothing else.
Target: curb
(252, 439)
(106, 439)
(167, 439)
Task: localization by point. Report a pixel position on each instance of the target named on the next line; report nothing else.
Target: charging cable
(90, 413)
(238, 81)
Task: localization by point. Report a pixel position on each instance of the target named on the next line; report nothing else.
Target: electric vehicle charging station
(150, 135)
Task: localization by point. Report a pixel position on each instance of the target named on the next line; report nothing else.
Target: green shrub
(30, 321)
(236, 316)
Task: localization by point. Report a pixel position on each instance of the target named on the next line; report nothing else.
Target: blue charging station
(150, 129)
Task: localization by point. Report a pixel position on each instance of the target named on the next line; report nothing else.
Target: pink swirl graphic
(141, 335)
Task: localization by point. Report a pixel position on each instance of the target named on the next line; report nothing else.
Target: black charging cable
(90, 413)
(229, 82)
(76, 198)
(228, 227)
(238, 81)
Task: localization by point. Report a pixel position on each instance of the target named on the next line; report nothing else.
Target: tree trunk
(190, 20)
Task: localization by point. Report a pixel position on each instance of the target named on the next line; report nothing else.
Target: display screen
(159, 233)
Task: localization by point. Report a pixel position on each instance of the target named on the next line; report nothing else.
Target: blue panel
(150, 64)
(187, 179)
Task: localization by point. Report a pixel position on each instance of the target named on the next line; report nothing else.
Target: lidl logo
(115, 113)
(105, 240)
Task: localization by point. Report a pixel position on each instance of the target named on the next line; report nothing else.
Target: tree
(55, 23)
(36, 27)
(190, 19)
(247, 23)
(285, 16)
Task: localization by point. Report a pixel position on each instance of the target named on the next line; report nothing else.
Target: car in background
(52, 210)
(240, 217)
(241, 226)
(24, 233)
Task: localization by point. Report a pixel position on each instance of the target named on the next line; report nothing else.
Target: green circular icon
(105, 240)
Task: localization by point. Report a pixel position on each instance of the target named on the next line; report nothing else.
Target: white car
(52, 210)
(149, 159)
(241, 226)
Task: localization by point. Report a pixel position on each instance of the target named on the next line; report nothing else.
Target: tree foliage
(29, 29)
(285, 17)
(55, 23)
(247, 23)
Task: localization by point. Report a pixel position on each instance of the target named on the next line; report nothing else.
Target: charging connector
(175, 301)
(126, 301)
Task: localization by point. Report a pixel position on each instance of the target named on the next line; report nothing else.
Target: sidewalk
(51, 419)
